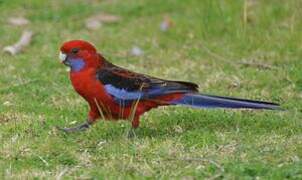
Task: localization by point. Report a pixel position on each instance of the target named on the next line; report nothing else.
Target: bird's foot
(131, 133)
(81, 127)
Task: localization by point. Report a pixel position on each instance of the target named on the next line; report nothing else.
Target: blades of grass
(99, 108)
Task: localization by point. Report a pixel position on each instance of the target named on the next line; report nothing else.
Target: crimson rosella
(113, 92)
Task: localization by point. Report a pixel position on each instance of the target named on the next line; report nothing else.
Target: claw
(131, 133)
(81, 127)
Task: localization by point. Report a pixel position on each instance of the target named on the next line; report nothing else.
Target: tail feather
(210, 101)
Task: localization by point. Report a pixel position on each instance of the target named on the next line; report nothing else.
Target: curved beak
(63, 58)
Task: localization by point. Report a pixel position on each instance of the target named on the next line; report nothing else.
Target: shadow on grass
(199, 123)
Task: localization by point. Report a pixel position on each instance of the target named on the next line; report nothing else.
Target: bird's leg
(135, 124)
(81, 127)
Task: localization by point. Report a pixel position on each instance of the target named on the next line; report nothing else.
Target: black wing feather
(130, 81)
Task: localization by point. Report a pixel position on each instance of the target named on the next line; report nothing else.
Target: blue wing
(126, 86)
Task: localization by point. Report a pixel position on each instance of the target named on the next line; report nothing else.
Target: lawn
(249, 49)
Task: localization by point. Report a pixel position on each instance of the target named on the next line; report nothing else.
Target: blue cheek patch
(76, 64)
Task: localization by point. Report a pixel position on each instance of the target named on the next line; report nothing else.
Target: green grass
(208, 41)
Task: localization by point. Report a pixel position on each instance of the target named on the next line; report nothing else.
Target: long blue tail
(209, 101)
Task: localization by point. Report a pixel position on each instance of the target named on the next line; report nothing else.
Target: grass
(207, 44)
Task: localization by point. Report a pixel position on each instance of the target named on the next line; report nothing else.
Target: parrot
(113, 92)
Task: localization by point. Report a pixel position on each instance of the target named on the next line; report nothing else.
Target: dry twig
(59, 177)
(21, 44)
(257, 65)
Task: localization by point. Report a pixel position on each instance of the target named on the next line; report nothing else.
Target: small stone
(136, 51)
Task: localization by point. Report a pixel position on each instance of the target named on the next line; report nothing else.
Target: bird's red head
(79, 54)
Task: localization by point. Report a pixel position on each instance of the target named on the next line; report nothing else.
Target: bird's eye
(75, 50)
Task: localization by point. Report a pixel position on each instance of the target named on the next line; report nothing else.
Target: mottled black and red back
(120, 81)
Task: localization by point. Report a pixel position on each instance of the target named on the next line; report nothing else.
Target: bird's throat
(76, 64)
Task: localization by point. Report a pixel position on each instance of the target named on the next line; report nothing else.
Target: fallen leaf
(96, 21)
(166, 24)
(93, 24)
(73, 122)
(14, 138)
(18, 21)
(107, 18)
(7, 103)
